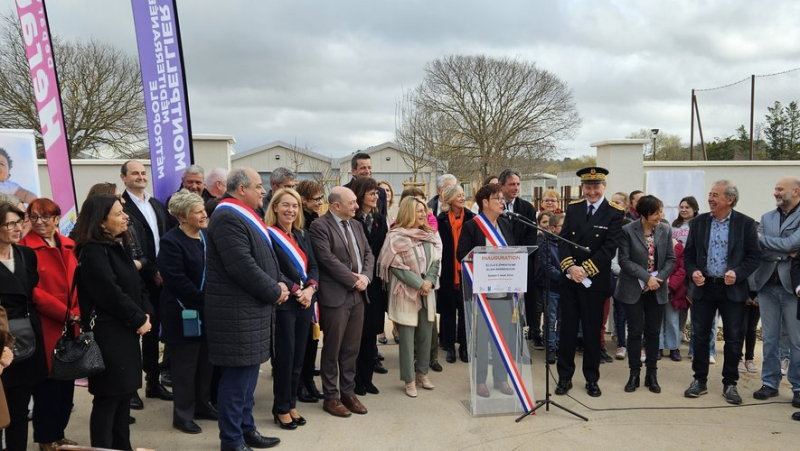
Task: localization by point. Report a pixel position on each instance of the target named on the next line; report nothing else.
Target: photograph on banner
(19, 174)
(501, 270)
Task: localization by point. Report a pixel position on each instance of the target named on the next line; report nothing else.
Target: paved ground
(438, 420)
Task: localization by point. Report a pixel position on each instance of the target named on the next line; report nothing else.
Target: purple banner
(168, 125)
(36, 37)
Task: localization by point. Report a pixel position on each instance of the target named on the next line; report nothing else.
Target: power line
(747, 78)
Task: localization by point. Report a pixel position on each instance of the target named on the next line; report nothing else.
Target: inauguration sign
(503, 270)
(161, 61)
(41, 60)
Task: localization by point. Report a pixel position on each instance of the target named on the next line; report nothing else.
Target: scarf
(455, 224)
(399, 252)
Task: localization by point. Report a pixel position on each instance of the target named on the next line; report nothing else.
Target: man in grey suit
(721, 253)
(779, 237)
(346, 263)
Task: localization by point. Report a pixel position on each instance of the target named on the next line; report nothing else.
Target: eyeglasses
(549, 200)
(36, 218)
(500, 198)
(11, 225)
(317, 199)
(373, 194)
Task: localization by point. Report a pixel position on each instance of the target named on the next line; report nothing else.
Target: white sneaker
(712, 360)
(422, 380)
(751, 366)
(742, 368)
(621, 353)
(643, 356)
(411, 389)
(784, 366)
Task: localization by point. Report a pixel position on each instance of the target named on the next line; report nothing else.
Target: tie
(350, 247)
(591, 209)
(368, 220)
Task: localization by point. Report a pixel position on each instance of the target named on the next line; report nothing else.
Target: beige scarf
(398, 252)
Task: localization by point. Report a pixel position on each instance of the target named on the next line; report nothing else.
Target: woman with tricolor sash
(292, 245)
(409, 262)
(489, 228)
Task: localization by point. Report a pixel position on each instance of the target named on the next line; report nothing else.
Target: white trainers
(643, 356)
(712, 360)
(751, 366)
(411, 389)
(621, 353)
(422, 380)
(742, 368)
(784, 366)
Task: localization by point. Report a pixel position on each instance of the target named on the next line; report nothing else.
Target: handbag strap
(69, 300)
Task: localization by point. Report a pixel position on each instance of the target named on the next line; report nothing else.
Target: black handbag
(76, 356)
(22, 331)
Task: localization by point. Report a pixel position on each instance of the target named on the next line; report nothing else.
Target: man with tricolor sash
(596, 224)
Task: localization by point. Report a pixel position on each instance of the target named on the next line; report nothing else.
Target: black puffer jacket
(241, 291)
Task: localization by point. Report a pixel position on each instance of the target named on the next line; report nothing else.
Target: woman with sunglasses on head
(56, 266)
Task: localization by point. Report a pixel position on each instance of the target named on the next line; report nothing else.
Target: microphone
(512, 215)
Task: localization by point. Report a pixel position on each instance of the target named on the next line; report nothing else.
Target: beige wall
(209, 151)
(266, 161)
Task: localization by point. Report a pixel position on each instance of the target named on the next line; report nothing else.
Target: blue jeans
(670, 337)
(555, 320)
(620, 324)
(712, 345)
(779, 307)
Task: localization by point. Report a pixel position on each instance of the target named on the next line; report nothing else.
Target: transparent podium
(493, 288)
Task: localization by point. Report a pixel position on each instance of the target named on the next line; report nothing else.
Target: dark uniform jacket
(600, 233)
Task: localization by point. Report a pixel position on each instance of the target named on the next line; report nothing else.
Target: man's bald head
(342, 202)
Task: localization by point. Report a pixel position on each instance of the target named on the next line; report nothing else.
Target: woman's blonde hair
(271, 218)
(449, 194)
(407, 214)
(183, 202)
(553, 193)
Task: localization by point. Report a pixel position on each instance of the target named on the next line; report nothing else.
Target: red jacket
(56, 270)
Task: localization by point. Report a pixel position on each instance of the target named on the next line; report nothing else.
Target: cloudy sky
(327, 74)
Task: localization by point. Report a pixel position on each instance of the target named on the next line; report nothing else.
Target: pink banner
(36, 37)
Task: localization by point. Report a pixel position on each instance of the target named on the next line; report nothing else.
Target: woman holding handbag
(56, 266)
(115, 308)
(182, 263)
(18, 277)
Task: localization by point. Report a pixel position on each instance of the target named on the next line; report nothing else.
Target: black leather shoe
(136, 402)
(360, 390)
(593, 390)
(187, 427)
(451, 355)
(651, 382)
(796, 416)
(131, 420)
(304, 396)
(604, 357)
(255, 440)
(166, 378)
(633, 383)
(312, 389)
(290, 426)
(238, 448)
(300, 421)
(379, 368)
(371, 389)
(158, 391)
(207, 412)
(462, 354)
(563, 387)
(436, 366)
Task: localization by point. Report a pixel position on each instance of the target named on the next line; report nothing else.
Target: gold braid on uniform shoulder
(616, 205)
(576, 201)
(566, 263)
(590, 268)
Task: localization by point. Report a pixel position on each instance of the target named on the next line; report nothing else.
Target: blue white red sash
(500, 342)
(292, 249)
(247, 214)
(493, 237)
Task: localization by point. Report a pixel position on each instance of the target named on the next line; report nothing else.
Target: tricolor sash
(292, 249)
(493, 237)
(500, 342)
(247, 214)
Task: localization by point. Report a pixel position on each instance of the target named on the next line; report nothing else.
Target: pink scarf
(398, 252)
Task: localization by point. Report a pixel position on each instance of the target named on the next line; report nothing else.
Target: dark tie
(368, 220)
(591, 209)
(350, 247)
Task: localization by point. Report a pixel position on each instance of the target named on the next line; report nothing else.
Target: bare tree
(101, 92)
(495, 113)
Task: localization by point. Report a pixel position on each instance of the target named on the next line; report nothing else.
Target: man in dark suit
(346, 264)
(510, 183)
(150, 218)
(721, 252)
(243, 286)
(361, 166)
(595, 223)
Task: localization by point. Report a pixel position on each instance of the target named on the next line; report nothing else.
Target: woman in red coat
(56, 266)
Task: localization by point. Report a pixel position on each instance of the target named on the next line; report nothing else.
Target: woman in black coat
(293, 317)
(116, 308)
(375, 228)
(449, 301)
(18, 277)
(182, 263)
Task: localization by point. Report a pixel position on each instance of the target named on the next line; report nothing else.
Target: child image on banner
(8, 186)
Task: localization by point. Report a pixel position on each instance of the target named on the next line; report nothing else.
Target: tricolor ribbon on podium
(500, 342)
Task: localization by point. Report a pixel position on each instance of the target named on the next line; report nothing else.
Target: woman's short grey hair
(446, 178)
(183, 202)
(731, 192)
(448, 195)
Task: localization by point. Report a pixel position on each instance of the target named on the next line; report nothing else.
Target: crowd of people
(227, 275)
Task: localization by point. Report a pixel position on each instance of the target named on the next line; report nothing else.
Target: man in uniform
(595, 223)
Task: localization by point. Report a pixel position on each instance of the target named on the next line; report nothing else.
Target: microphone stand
(547, 236)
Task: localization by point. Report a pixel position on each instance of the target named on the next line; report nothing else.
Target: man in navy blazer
(722, 251)
(779, 237)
